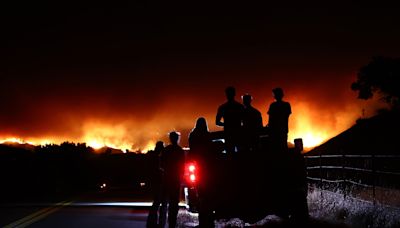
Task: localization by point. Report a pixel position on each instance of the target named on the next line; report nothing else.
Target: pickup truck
(249, 184)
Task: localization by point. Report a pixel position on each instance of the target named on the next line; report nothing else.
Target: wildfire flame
(35, 142)
(313, 127)
(13, 140)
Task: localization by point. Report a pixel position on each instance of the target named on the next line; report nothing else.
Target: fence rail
(347, 175)
(351, 156)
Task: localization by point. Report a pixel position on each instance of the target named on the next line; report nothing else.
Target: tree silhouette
(379, 77)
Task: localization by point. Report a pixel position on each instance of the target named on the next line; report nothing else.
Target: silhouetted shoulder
(279, 108)
(231, 104)
(172, 148)
(256, 111)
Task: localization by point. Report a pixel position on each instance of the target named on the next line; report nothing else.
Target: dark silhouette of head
(247, 98)
(174, 137)
(201, 124)
(230, 93)
(159, 146)
(278, 93)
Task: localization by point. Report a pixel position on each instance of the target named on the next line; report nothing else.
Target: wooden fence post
(373, 178)
(320, 177)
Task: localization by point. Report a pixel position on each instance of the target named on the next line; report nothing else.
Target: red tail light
(191, 173)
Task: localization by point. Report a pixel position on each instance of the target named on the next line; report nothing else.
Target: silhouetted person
(201, 151)
(200, 140)
(252, 124)
(232, 114)
(278, 122)
(172, 160)
(156, 173)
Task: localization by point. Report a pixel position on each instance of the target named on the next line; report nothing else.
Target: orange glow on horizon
(314, 125)
(34, 142)
(315, 128)
(98, 135)
(13, 140)
(95, 144)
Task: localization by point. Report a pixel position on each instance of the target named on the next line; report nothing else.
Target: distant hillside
(376, 135)
(24, 146)
(109, 150)
(13, 147)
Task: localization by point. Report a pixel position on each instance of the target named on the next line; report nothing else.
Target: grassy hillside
(376, 135)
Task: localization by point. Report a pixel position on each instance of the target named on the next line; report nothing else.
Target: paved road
(94, 217)
(107, 209)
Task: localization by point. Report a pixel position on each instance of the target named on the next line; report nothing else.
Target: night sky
(125, 75)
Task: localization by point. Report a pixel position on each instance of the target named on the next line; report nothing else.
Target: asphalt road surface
(72, 216)
(100, 209)
(108, 209)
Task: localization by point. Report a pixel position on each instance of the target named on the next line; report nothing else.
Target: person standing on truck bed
(252, 124)
(232, 114)
(173, 161)
(278, 122)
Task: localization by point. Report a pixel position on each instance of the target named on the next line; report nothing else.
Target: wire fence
(359, 176)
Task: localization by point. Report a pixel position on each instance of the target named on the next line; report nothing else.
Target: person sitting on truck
(232, 114)
(201, 151)
(173, 161)
(199, 139)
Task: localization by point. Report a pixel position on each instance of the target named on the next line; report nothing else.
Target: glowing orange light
(313, 124)
(95, 144)
(192, 168)
(12, 140)
(314, 127)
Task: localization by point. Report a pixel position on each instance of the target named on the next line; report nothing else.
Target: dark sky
(129, 73)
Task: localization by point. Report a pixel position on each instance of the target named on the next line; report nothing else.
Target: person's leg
(173, 206)
(238, 141)
(162, 219)
(163, 214)
(229, 146)
(152, 217)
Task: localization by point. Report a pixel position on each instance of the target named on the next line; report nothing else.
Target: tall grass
(333, 205)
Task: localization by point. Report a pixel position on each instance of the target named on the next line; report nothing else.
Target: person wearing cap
(278, 122)
(252, 124)
(173, 162)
